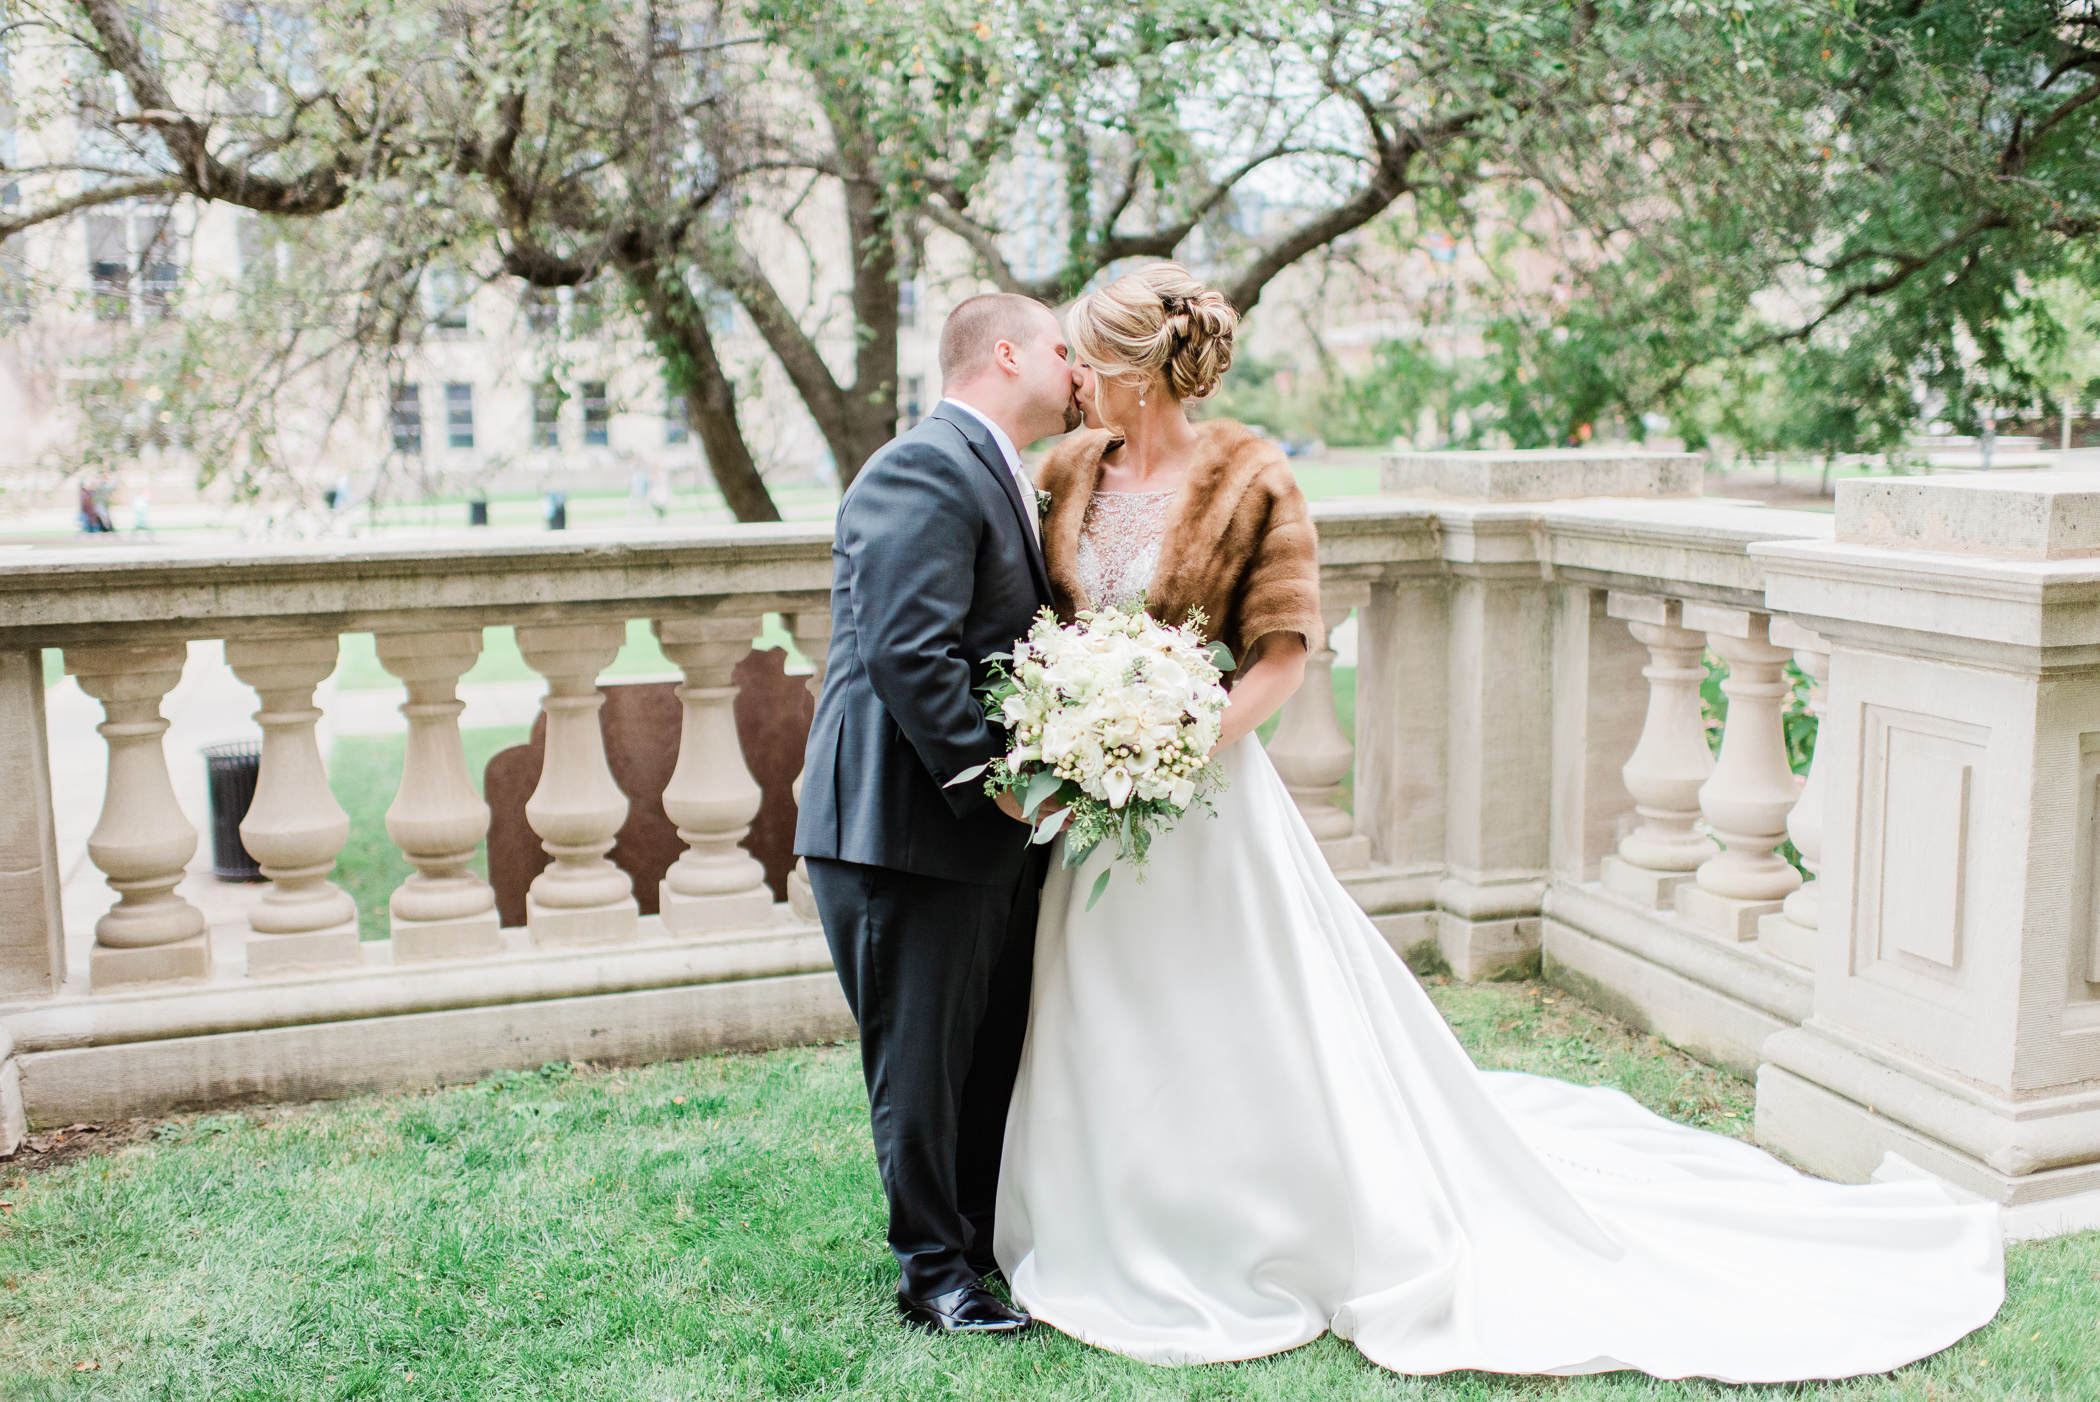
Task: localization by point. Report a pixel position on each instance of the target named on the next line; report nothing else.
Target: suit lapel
(987, 452)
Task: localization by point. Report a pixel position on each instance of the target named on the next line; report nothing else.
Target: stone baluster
(715, 884)
(142, 843)
(1670, 762)
(1753, 789)
(1310, 750)
(437, 819)
(577, 809)
(294, 828)
(812, 632)
(1791, 934)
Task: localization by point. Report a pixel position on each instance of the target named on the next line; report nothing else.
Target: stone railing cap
(1545, 474)
(2031, 516)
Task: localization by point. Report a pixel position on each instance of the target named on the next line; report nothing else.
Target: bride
(1240, 1122)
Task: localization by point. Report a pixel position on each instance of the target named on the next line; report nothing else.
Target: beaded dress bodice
(1119, 545)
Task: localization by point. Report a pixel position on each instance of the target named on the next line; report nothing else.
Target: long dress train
(1240, 1122)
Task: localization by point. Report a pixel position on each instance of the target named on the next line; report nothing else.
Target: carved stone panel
(1921, 800)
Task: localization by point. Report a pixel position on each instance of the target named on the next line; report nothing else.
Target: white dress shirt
(1013, 464)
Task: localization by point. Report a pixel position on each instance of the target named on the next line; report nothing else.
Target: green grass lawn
(707, 1229)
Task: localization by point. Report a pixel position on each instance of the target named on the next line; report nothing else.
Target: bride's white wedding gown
(1240, 1122)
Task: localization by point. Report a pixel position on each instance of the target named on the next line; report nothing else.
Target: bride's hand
(1011, 807)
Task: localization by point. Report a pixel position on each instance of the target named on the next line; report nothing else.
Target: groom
(928, 893)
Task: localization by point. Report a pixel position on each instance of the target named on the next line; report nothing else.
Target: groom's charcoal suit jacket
(934, 569)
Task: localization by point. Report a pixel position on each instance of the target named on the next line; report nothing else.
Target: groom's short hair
(979, 323)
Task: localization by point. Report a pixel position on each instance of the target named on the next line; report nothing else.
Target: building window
(459, 416)
(677, 427)
(912, 409)
(546, 415)
(908, 304)
(408, 419)
(597, 415)
(109, 266)
(157, 289)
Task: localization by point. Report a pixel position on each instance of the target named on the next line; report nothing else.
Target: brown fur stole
(1239, 543)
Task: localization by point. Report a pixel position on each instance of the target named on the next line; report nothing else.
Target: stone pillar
(812, 632)
(294, 828)
(1499, 728)
(1752, 789)
(1670, 764)
(142, 843)
(32, 935)
(577, 810)
(1790, 935)
(1311, 752)
(1599, 699)
(1402, 641)
(716, 884)
(1956, 1017)
(437, 819)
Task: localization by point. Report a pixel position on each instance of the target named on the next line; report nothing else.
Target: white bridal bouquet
(1115, 716)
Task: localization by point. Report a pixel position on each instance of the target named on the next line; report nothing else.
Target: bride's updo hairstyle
(1157, 320)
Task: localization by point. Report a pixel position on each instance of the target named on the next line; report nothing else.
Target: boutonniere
(1042, 506)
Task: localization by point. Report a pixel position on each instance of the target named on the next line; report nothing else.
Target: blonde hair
(1157, 319)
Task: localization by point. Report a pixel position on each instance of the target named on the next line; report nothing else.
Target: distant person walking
(1987, 441)
(94, 508)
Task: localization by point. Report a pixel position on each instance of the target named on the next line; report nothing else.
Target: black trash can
(477, 513)
(230, 769)
(557, 511)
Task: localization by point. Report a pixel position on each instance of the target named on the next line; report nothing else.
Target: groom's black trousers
(937, 974)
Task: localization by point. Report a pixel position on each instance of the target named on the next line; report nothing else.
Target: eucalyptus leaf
(1100, 885)
(967, 775)
(1041, 788)
(1221, 657)
(1049, 828)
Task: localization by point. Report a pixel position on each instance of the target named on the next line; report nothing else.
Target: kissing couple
(1214, 1116)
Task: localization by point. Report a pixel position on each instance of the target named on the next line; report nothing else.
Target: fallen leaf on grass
(87, 1365)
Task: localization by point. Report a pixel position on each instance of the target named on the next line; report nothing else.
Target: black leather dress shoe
(970, 1310)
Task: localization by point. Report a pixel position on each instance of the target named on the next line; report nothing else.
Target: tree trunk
(677, 323)
(871, 405)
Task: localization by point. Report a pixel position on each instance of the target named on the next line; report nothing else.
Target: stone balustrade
(1533, 790)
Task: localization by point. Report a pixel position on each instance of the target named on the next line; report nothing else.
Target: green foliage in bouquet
(1111, 722)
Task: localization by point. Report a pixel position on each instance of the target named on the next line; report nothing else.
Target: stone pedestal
(1310, 751)
(1791, 934)
(443, 911)
(577, 809)
(1956, 1013)
(716, 885)
(294, 827)
(1747, 798)
(1671, 761)
(141, 842)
